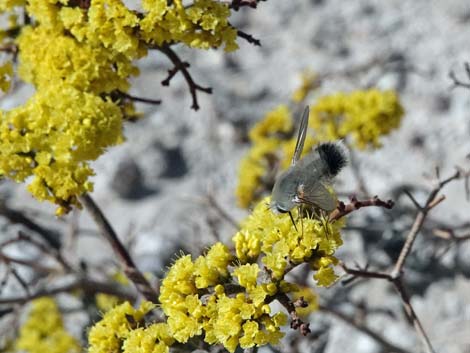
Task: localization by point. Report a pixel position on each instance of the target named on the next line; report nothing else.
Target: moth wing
(317, 195)
(299, 146)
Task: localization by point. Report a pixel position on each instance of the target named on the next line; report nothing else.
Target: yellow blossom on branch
(43, 330)
(79, 56)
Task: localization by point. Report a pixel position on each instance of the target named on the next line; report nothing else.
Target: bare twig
(456, 82)
(18, 217)
(431, 202)
(343, 209)
(449, 234)
(182, 66)
(129, 267)
(85, 284)
(139, 99)
(363, 328)
(222, 213)
(396, 274)
(249, 38)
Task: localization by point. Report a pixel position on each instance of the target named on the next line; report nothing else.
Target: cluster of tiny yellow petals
(52, 137)
(109, 334)
(155, 338)
(276, 239)
(43, 330)
(202, 25)
(364, 116)
(77, 54)
(309, 297)
(196, 303)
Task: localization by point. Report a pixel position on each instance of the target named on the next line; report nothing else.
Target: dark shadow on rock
(128, 182)
(175, 163)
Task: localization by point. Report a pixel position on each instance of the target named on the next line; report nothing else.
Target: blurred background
(171, 185)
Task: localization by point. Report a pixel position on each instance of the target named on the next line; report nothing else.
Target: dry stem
(128, 265)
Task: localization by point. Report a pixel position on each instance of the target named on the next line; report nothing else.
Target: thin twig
(396, 274)
(139, 99)
(343, 209)
(182, 66)
(456, 82)
(18, 217)
(363, 328)
(85, 284)
(249, 38)
(129, 267)
(222, 213)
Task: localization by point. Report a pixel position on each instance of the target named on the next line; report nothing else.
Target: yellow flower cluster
(202, 25)
(197, 303)
(76, 57)
(362, 116)
(224, 298)
(52, 137)
(123, 329)
(43, 331)
(275, 238)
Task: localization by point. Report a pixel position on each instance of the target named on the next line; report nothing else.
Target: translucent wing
(317, 195)
(299, 146)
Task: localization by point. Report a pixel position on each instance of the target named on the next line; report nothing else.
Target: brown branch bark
(343, 209)
(182, 66)
(126, 261)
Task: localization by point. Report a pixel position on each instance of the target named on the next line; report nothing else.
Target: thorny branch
(129, 267)
(395, 276)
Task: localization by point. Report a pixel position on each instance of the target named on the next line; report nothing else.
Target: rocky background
(154, 188)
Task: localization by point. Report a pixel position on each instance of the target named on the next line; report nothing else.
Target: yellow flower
(52, 137)
(115, 327)
(363, 115)
(153, 339)
(44, 331)
(276, 237)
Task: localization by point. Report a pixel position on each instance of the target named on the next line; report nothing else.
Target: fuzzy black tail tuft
(333, 155)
